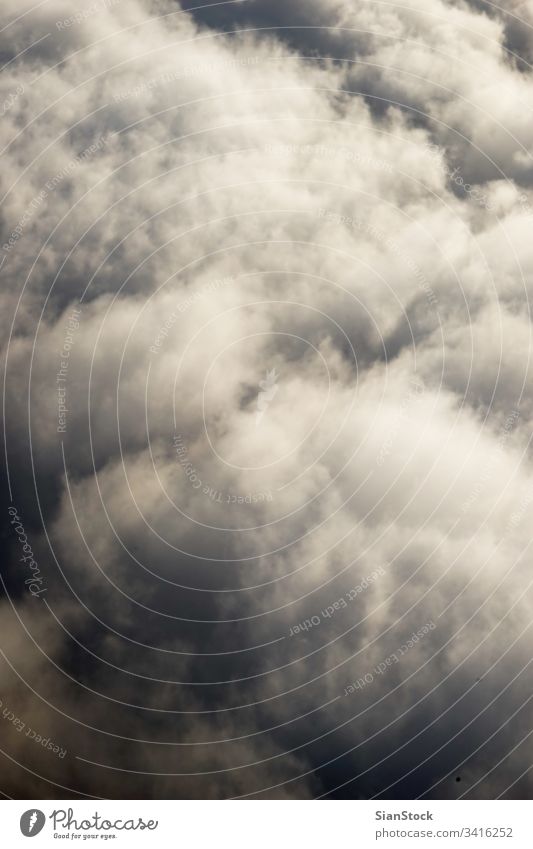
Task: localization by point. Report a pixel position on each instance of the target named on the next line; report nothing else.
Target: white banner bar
(267, 824)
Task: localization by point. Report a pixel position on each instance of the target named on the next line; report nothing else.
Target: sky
(265, 328)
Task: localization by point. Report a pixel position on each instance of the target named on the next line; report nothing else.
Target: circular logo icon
(32, 822)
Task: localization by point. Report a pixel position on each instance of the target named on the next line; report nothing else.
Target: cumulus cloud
(266, 334)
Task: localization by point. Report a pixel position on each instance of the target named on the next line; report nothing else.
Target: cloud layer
(266, 334)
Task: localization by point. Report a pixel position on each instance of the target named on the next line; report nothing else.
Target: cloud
(266, 330)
